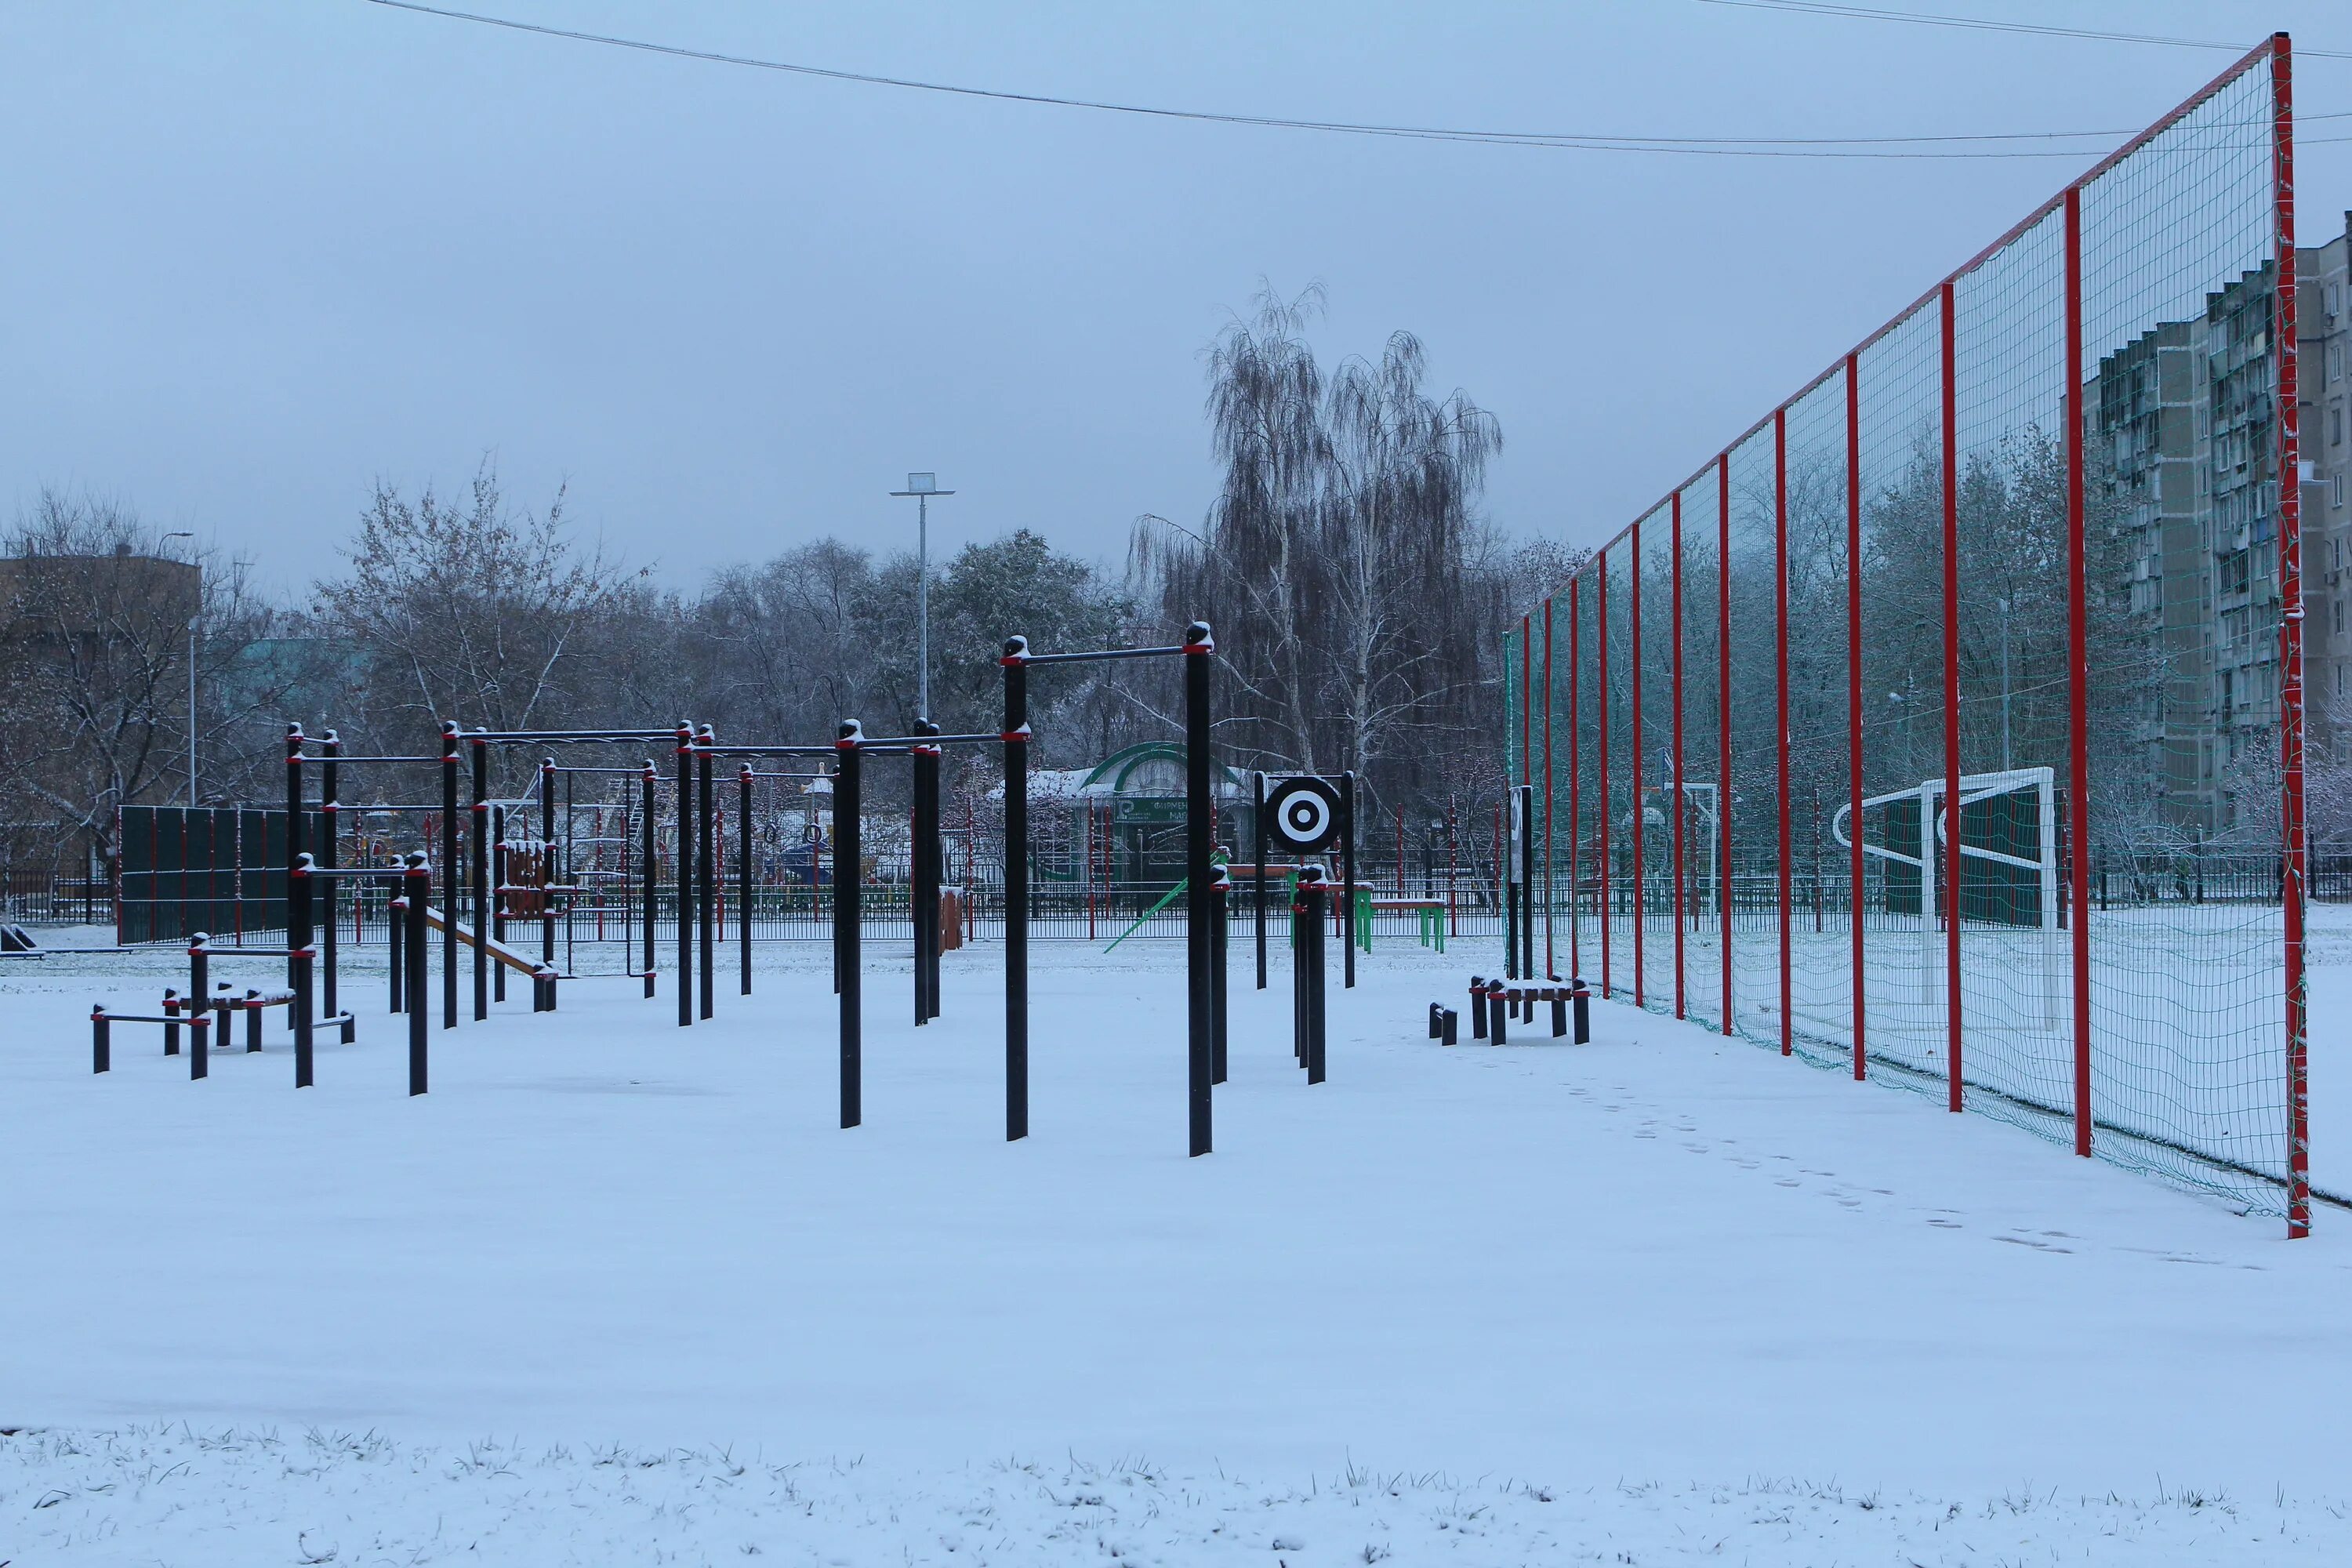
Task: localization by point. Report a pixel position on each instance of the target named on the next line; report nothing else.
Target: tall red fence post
(1853, 695)
(1526, 703)
(1600, 602)
(1575, 791)
(1780, 700)
(1723, 895)
(2078, 684)
(2294, 869)
(1951, 704)
(1674, 596)
(1551, 962)
(1634, 746)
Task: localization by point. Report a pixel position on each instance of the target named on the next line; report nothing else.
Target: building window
(2336, 423)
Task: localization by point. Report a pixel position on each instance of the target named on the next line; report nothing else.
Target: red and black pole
(685, 855)
(1016, 664)
(1200, 845)
(449, 873)
(647, 868)
(743, 874)
(707, 872)
(487, 898)
(847, 860)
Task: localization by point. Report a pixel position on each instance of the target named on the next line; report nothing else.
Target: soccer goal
(2008, 867)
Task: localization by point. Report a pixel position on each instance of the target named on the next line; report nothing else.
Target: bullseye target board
(1304, 814)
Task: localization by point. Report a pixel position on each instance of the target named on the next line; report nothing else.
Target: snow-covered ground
(617, 1291)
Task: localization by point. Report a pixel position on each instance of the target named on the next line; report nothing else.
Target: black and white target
(1305, 811)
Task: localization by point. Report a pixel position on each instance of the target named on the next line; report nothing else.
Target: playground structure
(517, 860)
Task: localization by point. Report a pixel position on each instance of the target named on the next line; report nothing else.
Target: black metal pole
(485, 897)
(539, 999)
(501, 874)
(1220, 915)
(925, 875)
(1200, 846)
(743, 873)
(647, 868)
(293, 829)
(396, 946)
(1299, 969)
(685, 876)
(1314, 893)
(330, 787)
(1016, 663)
(299, 933)
(847, 859)
(449, 874)
(570, 879)
(416, 893)
(1347, 875)
(1257, 869)
(706, 853)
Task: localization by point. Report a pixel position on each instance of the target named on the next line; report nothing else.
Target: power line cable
(1988, 25)
(1866, 147)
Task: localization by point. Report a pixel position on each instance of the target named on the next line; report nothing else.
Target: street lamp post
(922, 486)
(193, 614)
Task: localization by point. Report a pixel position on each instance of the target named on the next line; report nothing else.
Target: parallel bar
(571, 737)
(1097, 655)
(701, 750)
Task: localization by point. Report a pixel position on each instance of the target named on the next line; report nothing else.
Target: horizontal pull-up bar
(908, 742)
(569, 768)
(568, 737)
(1096, 655)
(306, 867)
(828, 749)
(339, 757)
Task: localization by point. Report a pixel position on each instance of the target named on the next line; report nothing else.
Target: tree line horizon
(1358, 593)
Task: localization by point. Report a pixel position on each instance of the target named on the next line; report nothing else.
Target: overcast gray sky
(261, 252)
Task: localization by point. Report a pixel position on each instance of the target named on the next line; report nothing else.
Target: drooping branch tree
(1342, 560)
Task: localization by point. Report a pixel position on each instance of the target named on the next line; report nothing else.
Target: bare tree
(1341, 562)
(474, 611)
